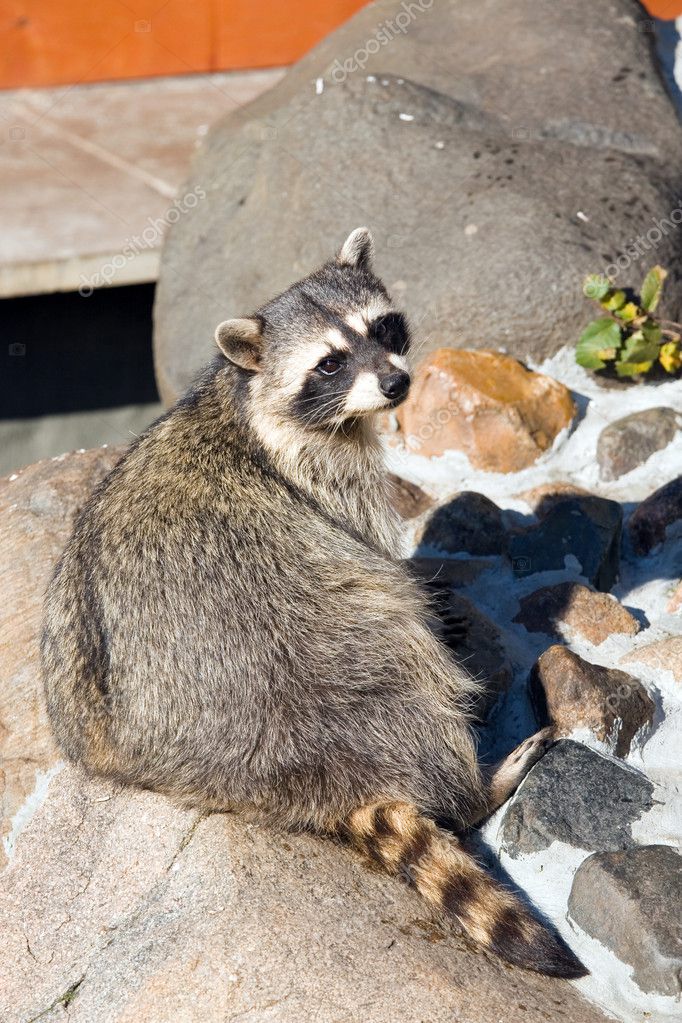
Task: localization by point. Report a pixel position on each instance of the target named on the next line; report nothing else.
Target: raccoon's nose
(395, 385)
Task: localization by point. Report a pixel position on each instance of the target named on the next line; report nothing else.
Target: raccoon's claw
(455, 629)
(452, 626)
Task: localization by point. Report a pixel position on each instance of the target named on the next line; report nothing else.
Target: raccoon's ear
(241, 341)
(358, 250)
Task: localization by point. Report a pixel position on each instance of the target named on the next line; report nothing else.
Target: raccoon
(232, 624)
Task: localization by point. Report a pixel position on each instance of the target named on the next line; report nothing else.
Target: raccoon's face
(353, 364)
(330, 349)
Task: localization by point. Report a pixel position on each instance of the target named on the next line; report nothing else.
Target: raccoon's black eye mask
(391, 332)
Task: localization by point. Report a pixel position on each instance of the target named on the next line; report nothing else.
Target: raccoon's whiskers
(417, 347)
(314, 397)
(325, 409)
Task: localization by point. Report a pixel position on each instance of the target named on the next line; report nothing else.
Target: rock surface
(487, 405)
(451, 572)
(407, 498)
(630, 441)
(543, 498)
(662, 655)
(127, 910)
(594, 616)
(37, 508)
(577, 796)
(587, 529)
(649, 521)
(468, 522)
(572, 693)
(520, 164)
(630, 901)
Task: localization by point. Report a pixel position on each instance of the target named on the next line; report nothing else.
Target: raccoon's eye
(329, 366)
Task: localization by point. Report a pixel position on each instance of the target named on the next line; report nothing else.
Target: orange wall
(666, 9)
(50, 42)
(257, 33)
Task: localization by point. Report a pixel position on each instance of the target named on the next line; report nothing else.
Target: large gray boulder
(498, 151)
(630, 902)
(579, 797)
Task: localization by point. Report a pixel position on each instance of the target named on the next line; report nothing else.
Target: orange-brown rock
(37, 507)
(572, 693)
(488, 405)
(596, 616)
(662, 655)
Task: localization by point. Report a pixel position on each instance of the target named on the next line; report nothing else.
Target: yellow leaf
(628, 312)
(613, 300)
(631, 369)
(670, 357)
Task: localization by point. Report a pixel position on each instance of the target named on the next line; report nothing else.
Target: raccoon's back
(202, 603)
(174, 602)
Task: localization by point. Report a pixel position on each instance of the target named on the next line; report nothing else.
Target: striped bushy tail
(409, 845)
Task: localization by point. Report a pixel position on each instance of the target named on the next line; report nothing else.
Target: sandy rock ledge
(129, 910)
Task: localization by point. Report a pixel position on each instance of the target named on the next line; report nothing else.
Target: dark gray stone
(469, 523)
(535, 141)
(587, 527)
(577, 796)
(630, 901)
(630, 441)
(649, 522)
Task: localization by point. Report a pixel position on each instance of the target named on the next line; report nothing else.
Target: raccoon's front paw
(532, 749)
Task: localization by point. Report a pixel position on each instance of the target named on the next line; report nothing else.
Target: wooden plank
(90, 173)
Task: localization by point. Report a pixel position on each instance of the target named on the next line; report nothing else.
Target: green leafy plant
(629, 337)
